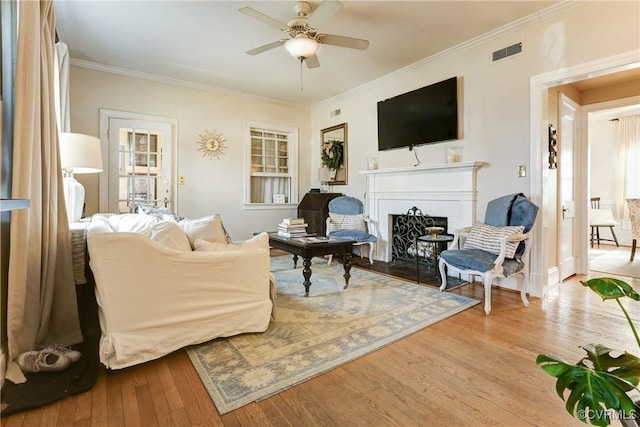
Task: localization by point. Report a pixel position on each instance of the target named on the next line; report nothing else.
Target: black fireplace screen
(405, 229)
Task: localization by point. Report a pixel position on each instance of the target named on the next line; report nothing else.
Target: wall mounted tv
(423, 116)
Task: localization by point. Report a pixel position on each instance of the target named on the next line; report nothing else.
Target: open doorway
(544, 181)
(608, 169)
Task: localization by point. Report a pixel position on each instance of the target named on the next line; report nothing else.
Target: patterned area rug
(616, 262)
(316, 334)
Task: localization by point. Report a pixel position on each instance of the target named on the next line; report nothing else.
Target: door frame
(105, 116)
(577, 153)
(538, 86)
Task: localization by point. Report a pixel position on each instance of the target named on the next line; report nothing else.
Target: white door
(140, 164)
(567, 138)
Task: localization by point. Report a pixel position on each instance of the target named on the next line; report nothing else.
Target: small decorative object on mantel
(553, 151)
(211, 144)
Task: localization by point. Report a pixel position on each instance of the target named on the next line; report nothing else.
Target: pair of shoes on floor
(50, 358)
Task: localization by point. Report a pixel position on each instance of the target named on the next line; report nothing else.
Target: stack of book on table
(292, 227)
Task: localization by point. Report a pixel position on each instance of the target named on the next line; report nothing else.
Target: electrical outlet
(522, 171)
(182, 180)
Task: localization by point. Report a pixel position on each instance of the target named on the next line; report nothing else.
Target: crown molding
(90, 65)
(511, 27)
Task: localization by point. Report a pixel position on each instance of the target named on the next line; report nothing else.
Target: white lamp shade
(80, 153)
(301, 46)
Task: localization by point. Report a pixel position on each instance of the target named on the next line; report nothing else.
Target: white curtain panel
(263, 188)
(61, 86)
(41, 302)
(628, 181)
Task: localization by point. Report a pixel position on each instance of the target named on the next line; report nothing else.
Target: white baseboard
(553, 276)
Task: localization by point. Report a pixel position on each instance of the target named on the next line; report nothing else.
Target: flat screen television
(423, 116)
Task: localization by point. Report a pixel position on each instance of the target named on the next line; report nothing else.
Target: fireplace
(406, 228)
(447, 190)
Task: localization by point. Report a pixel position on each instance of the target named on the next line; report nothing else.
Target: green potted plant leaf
(599, 384)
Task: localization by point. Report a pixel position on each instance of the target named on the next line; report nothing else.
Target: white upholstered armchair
(497, 248)
(347, 221)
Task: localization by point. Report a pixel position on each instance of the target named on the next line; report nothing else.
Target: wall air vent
(506, 52)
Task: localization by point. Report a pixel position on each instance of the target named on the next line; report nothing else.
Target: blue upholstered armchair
(497, 248)
(347, 221)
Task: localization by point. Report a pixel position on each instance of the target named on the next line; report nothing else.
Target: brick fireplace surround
(447, 190)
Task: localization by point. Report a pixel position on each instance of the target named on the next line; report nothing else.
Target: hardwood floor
(469, 369)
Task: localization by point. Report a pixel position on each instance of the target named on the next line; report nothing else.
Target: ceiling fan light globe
(301, 47)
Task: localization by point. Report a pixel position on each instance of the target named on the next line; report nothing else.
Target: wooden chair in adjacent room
(601, 217)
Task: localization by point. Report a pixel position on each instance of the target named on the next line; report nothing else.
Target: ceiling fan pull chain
(301, 59)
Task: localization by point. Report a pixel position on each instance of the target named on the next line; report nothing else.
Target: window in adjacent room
(139, 171)
(272, 159)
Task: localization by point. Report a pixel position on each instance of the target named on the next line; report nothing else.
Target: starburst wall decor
(211, 144)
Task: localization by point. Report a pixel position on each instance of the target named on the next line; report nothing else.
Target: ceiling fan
(304, 38)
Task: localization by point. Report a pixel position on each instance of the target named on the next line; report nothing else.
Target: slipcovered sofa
(163, 284)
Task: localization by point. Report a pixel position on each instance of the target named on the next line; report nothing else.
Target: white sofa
(162, 285)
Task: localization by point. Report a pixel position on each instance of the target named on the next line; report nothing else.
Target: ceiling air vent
(507, 51)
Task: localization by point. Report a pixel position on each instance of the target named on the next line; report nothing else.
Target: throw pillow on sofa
(164, 214)
(169, 234)
(133, 223)
(259, 241)
(207, 228)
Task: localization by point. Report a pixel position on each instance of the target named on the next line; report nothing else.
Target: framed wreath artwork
(211, 144)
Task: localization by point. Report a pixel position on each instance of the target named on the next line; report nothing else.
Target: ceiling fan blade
(266, 47)
(264, 18)
(324, 12)
(312, 61)
(343, 41)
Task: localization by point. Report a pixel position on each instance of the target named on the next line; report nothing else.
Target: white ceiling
(204, 42)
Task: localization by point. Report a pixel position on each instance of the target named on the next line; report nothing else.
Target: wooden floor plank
(83, 408)
(198, 404)
(33, 418)
(174, 400)
(67, 412)
(130, 404)
(160, 405)
(99, 402)
(469, 369)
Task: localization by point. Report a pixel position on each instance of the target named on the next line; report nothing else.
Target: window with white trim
(273, 164)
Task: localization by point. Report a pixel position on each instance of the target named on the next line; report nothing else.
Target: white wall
(494, 108)
(494, 97)
(212, 185)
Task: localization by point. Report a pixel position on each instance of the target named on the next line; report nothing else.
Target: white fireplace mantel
(447, 190)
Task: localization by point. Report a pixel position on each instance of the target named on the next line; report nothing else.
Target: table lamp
(79, 153)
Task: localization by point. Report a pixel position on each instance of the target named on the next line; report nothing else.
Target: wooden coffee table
(307, 249)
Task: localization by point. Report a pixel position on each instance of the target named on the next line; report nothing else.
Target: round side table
(437, 241)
